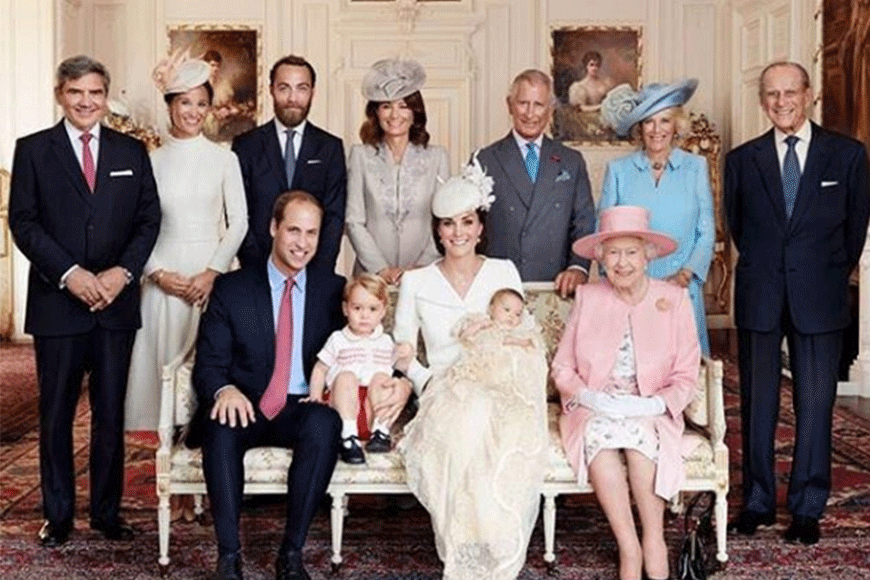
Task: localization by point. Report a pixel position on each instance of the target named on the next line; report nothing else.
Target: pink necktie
(88, 161)
(275, 397)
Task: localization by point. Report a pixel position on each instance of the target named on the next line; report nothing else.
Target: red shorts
(362, 422)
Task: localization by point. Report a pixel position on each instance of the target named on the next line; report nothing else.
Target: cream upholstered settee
(179, 470)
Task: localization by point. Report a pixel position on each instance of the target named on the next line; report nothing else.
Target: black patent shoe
(289, 566)
(803, 529)
(52, 536)
(748, 521)
(379, 442)
(116, 530)
(351, 452)
(229, 567)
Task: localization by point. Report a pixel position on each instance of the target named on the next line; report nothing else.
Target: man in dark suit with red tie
(314, 162)
(257, 345)
(83, 209)
(797, 204)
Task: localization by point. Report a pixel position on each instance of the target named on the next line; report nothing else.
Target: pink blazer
(667, 354)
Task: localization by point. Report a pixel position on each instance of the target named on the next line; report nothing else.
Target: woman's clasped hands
(194, 290)
(617, 405)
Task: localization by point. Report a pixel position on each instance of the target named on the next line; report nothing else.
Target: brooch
(663, 304)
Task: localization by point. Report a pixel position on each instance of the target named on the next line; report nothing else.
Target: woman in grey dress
(392, 175)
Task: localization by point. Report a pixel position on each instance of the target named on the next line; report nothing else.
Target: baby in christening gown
(487, 414)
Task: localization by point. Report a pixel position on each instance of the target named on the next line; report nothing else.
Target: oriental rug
(389, 537)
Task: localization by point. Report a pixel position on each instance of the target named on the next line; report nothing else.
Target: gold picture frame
(579, 89)
(236, 55)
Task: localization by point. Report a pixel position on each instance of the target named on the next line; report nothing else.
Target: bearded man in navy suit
(83, 209)
(797, 204)
(314, 162)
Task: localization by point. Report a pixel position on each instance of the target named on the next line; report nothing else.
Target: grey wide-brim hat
(186, 76)
(393, 79)
(623, 107)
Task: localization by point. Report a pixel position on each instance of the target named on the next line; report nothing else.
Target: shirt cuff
(419, 375)
(578, 267)
(66, 274)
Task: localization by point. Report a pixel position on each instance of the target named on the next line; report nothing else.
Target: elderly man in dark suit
(797, 203)
(542, 196)
(314, 163)
(83, 209)
(258, 342)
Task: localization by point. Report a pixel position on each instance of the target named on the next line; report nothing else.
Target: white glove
(635, 406)
(601, 403)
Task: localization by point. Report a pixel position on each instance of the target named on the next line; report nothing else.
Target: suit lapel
(108, 150)
(768, 168)
(548, 168)
(309, 317)
(818, 157)
(263, 306)
(508, 155)
(311, 143)
(273, 153)
(63, 151)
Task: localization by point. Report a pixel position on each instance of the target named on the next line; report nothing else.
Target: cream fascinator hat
(470, 190)
(179, 73)
(393, 79)
(620, 221)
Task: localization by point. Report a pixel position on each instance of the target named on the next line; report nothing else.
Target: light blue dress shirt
(681, 205)
(298, 384)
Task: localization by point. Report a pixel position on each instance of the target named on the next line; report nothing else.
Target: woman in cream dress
(393, 174)
(475, 453)
(204, 220)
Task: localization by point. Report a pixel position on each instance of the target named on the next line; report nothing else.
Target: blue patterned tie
(791, 175)
(532, 161)
(289, 158)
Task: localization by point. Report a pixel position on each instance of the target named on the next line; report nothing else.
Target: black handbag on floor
(692, 563)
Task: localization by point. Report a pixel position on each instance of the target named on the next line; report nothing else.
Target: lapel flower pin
(555, 158)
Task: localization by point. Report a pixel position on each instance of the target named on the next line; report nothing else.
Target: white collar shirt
(804, 134)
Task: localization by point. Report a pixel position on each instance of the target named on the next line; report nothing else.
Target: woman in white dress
(475, 453)
(204, 220)
(393, 174)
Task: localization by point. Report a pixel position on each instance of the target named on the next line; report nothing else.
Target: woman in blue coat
(672, 184)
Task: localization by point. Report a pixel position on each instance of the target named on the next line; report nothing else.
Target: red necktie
(88, 161)
(275, 397)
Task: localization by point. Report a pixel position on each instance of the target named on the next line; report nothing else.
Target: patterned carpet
(386, 538)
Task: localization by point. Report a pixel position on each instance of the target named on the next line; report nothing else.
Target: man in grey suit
(542, 196)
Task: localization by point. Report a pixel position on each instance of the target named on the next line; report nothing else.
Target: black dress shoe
(52, 536)
(351, 452)
(289, 566)
(379, 443)
(748, 521)
(229, 567)
(116, 530)
(803, 529)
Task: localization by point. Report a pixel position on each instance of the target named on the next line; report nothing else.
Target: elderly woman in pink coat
(626, 368)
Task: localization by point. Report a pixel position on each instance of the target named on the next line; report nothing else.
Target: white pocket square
(313, 161)
(563, 176)
(830, 183)
(121, 173)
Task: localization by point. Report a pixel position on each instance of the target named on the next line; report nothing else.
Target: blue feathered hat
(623, 106)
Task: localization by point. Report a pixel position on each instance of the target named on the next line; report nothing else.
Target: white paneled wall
(471, 50)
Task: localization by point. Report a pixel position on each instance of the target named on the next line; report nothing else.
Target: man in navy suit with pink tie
(83, 209)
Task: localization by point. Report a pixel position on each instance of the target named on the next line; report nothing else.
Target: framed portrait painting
(588, 61)
(234, 54)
